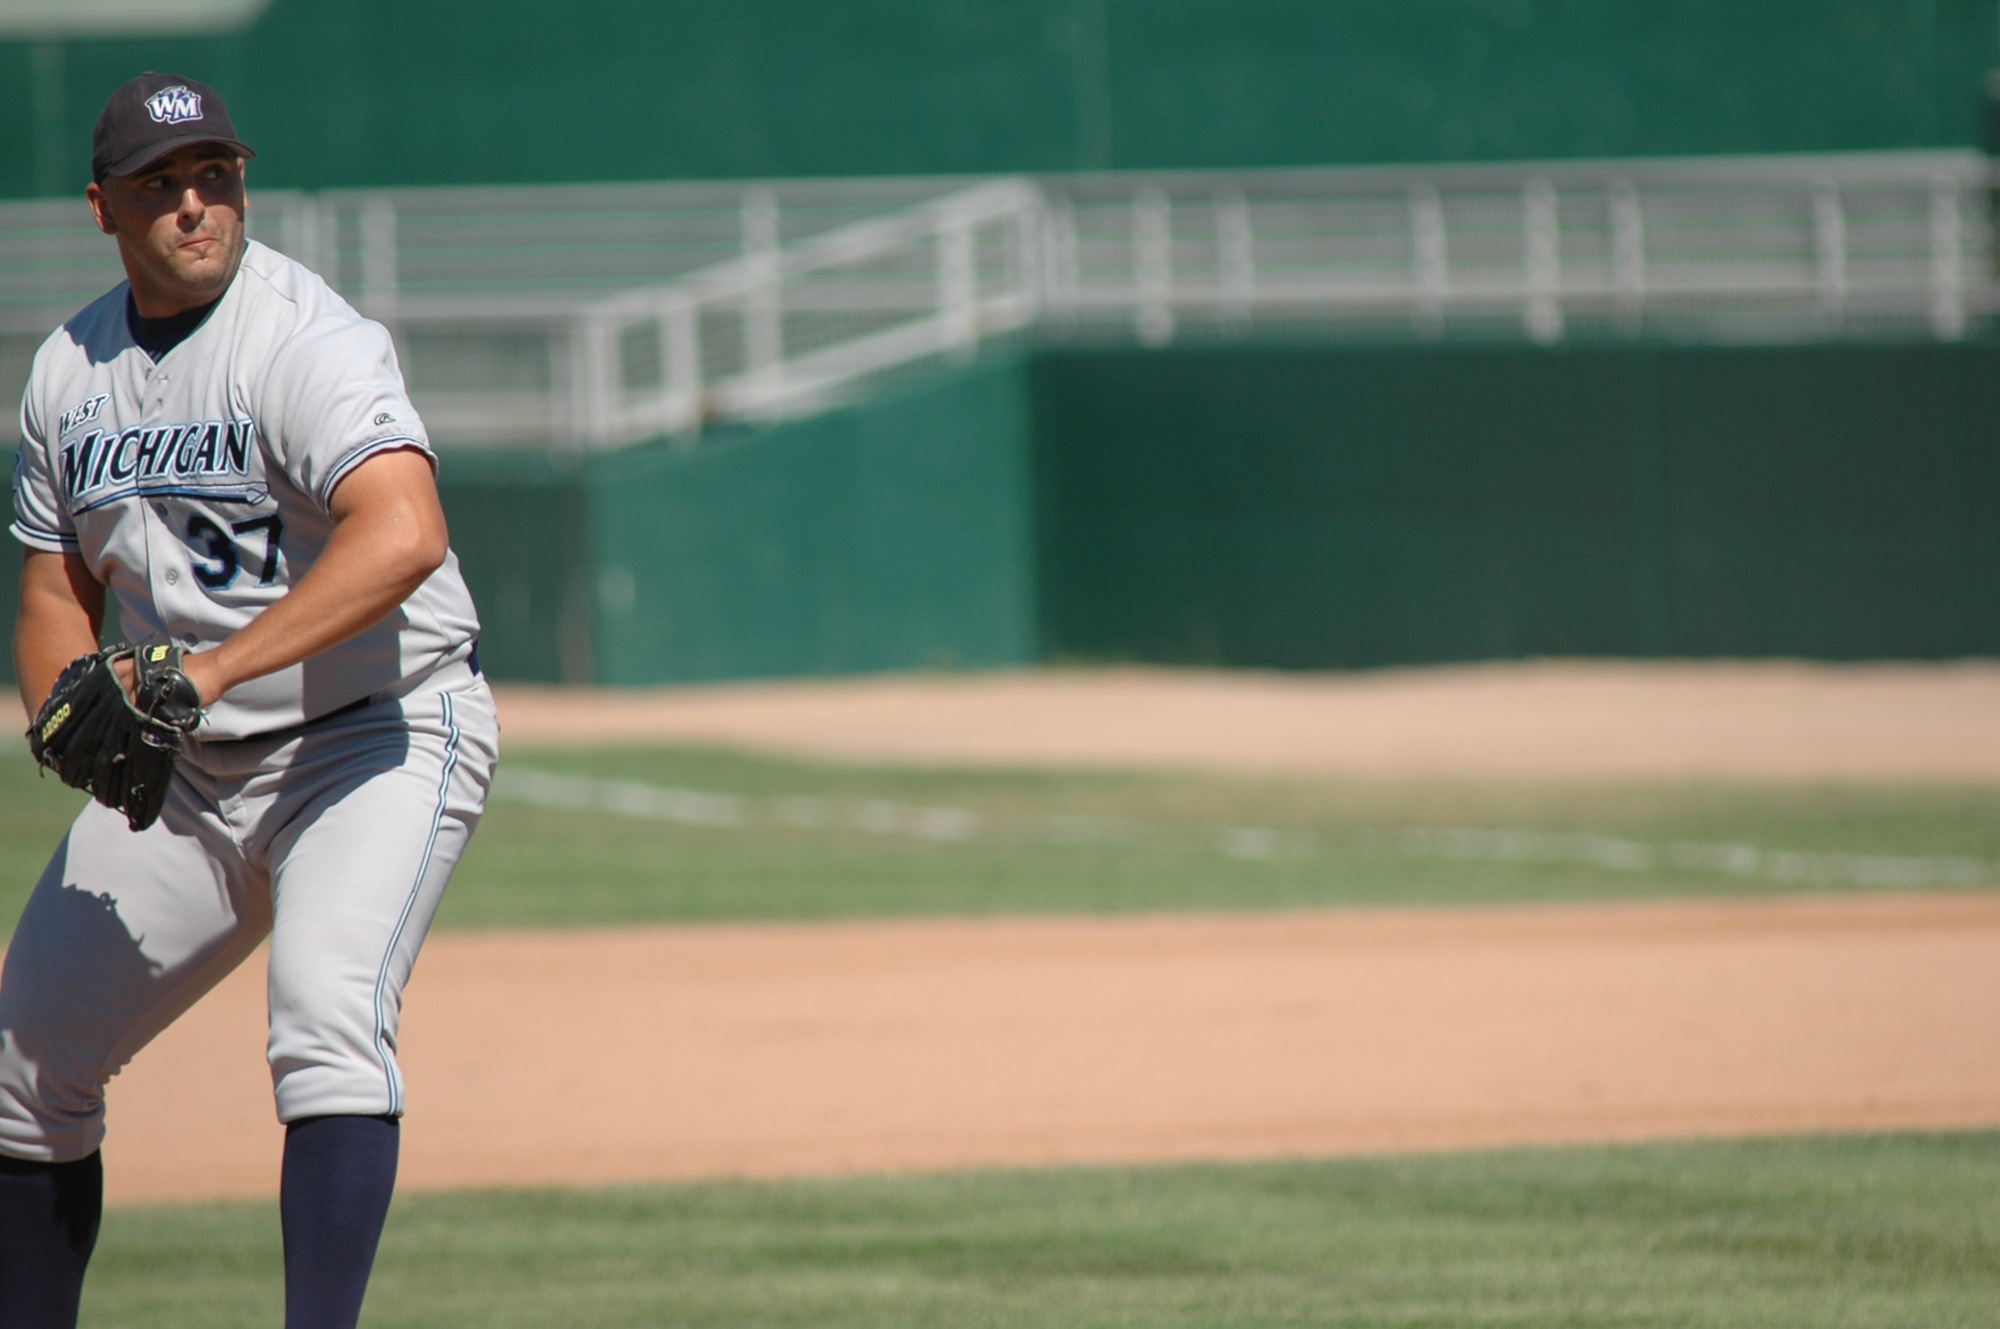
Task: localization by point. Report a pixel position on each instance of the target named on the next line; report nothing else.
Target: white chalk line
(938, 825)
(946, 825)
(1733, 860)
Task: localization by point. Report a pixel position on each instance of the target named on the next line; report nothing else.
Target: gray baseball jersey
(197, 488)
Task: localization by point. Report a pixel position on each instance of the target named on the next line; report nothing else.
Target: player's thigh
(124, 931)
(356, 885)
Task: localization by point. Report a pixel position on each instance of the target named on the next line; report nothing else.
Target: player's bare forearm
(62, 609)
(388, 537)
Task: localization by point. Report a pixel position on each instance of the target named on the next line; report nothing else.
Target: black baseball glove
(122, 750)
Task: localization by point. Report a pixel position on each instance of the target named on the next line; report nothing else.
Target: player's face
(179, 224)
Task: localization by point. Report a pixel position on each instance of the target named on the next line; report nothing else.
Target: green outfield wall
(521, 526)
(1311, 507)
(895, 535)
(401, 92)
(1289, 506)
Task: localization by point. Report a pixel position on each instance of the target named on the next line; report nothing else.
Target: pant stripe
(389, 1072)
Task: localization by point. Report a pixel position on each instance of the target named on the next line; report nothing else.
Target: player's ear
(100, 208)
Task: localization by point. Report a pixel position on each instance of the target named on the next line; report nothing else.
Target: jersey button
(160, 511)
(190, 639)
(172, 577)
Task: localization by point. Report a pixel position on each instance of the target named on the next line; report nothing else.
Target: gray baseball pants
(334, 840)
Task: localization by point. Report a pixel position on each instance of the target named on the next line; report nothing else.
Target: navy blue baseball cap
(153, 115)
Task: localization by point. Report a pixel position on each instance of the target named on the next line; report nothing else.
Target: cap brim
(139, 161)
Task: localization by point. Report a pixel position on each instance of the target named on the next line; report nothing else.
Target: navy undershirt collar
(157, 336)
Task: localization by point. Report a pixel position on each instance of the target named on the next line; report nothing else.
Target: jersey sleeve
(340, 400)
(40, 520)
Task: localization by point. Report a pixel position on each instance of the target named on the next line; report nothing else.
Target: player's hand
(200, 671)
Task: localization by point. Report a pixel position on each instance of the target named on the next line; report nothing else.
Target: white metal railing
(1729, 249)
(783, 330)
(595, 316)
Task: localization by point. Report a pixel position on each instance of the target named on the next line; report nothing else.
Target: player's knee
(53, 1062)
(335, 1064)
(49, 1111)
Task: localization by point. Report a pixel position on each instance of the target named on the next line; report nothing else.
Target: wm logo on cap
(172, 106)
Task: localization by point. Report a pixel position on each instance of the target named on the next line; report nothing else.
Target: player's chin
(208, 270)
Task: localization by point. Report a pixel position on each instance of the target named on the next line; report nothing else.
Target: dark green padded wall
(1826, 501)
(895, 535)
(1316, 507)
(391, 92)
(520, 526)
(1981, 378)
(1304, 507)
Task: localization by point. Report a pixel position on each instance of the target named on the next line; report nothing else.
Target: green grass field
(757, 838)
(1864, 1232)
(819, 841)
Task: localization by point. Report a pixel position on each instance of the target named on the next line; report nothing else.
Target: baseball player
(224, 446)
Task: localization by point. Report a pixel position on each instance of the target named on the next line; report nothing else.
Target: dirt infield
(655, 1053)
(675, 1053)
(1590, 720)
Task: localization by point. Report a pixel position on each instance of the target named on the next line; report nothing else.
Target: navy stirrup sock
(333, 1197)
(48, 1224)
